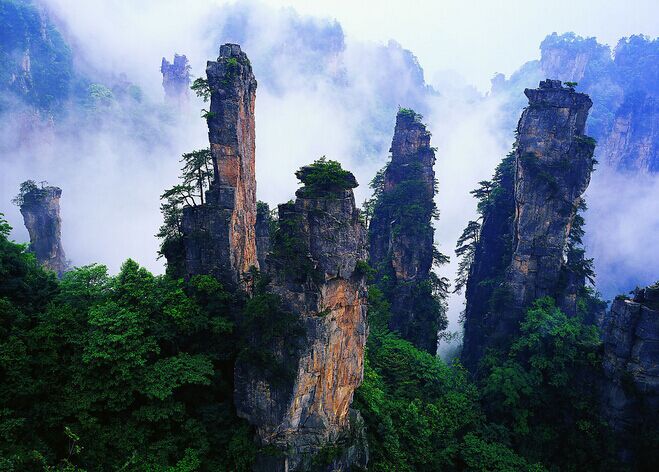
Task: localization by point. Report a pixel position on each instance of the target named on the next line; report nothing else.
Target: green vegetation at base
(422, 414)
(125, 372)
(534, 410)
(135, 371)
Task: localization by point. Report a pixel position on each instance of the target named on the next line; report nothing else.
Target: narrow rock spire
(41, 214)
(537, 198)
(219, 236)
(176, 80)
(401, 233)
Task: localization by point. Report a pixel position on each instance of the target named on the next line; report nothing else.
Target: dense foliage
(104, 373)
(422, 414)
(535, 409)
(324, 177)
(36, 64)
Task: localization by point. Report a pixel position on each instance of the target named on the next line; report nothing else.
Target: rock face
(176, 80)
(633, 141)
(553, 162)
(401, 233)
(263, 221)
(40, 210)
(630, 391)
(314, 266)
(492, 255)
(219, 236)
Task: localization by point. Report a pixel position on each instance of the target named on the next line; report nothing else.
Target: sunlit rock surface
(308, 410)
(219, 236)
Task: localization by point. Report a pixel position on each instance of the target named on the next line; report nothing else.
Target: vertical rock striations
(401, 233)
(176, 80)
(633, 141)
(302, 407)
(262, 230)
(219, 236)
(553, 162)
(630, 391)
(492, 254)
(40, 210)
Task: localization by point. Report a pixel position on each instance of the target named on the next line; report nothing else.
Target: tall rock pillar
(41, 214)
(554, 160)
(540, 192)
(219, 236)
(299, 401)
(401, 234)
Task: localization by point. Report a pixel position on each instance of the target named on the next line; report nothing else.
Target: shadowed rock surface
(263, 222)
(492, 255)
(401, 233)
(40, 210)
(630, 394)
(314, 266)
(633, 141)
(553, 163)
(176, 80)
(219, 236)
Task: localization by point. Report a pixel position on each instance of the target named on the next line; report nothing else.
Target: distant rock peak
(176, 80)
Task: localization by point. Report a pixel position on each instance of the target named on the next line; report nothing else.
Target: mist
(321, 92)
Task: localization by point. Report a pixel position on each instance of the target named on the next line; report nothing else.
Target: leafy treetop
(324, 176)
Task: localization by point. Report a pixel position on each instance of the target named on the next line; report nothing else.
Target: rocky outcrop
(553, 162)
(219, 236)
(176, 80)
(41, 213)
(630, 393)
(401, 233)
(633, 141)
(263, 223)
(303, 411)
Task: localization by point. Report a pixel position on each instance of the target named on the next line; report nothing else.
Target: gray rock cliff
(401, 234)
(630, 391)
(553, 160)
(41, 214)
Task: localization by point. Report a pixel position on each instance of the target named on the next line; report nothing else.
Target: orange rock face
(231, 131)
(219, 236)
(326, 294)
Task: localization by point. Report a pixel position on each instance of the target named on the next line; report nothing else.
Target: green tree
(542, 392)
(465, 249)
